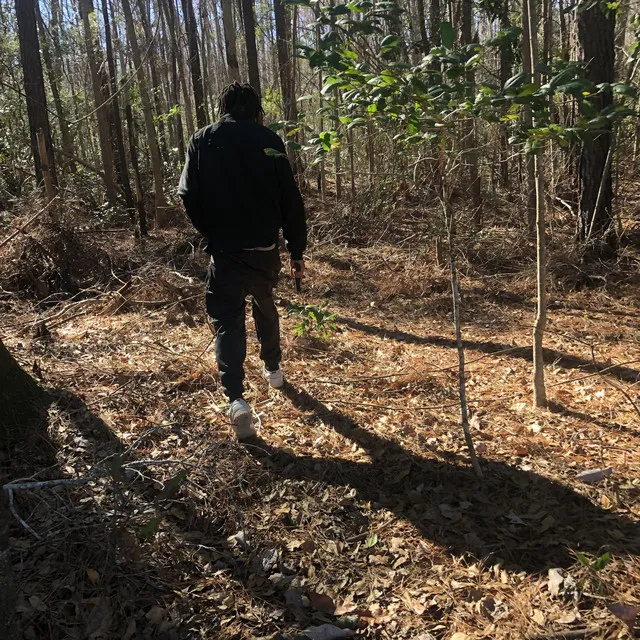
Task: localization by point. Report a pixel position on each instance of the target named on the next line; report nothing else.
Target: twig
(593, 375)
(571, 634)
(15, 514)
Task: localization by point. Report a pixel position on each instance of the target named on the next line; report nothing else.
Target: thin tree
(249, 23)
(67, 142)
(539, 389)
(122, 168)
(147, 109)
(528, 64)
(469, 142)
(194, 63)
(100, 105)
(33, 81)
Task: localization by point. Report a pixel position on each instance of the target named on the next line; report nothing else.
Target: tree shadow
(88, 573)
(528, 521)
(625, 374)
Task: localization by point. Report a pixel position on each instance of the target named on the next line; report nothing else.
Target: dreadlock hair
(241, 101)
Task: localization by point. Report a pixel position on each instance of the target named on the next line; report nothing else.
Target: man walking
(238, 189)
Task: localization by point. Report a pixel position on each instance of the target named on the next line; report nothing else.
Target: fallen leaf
(327, 632)
(538, 617)
(555, 581)
(594, 475)
(371, 541)
(625, 612)
(99, 621)
(569, 618)
(322, 602)
(155, 614)
(348, 606)
(37, 603)
(459, 636)
(93, 575)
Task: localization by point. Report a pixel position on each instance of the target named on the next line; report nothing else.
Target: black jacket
(238, 191)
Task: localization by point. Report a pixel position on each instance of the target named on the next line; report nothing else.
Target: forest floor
(357, 508)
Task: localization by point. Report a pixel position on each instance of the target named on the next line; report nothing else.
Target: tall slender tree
(194, 62)
(249, 24)
(122, 168)
(33, 80)
(147, 109)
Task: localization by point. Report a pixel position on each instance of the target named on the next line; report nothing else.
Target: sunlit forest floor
(357, 507)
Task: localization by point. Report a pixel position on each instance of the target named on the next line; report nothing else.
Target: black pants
(231, 278)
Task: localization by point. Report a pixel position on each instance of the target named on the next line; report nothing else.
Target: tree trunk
(469, 141)
(434, 23)
(194, 63)
(596, 36)
(250, 40)
(67, 143)
(539, 389)
(153, 73)
(233, 69)
(422, 27)
(34, 84)
(527, 65)
(122, 168)
(152, 139)
(506, 61)
(106, 150)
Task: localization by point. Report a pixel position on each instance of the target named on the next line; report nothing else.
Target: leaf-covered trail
(357, 508)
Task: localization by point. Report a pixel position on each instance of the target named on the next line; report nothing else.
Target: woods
(450, 450)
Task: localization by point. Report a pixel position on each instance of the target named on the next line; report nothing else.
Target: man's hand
(297, 269)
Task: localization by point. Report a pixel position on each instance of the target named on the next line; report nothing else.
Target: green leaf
(390, 42)
(371, 541)
(447, 35)
(332, 83)
(273, 153)
(602, 561)
(515, 81)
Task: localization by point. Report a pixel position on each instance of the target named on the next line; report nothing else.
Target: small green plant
(313, 319)
(597, 564)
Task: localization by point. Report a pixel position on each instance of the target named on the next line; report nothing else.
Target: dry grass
(357, 504)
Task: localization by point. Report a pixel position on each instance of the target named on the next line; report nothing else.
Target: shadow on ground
(560, 359)
(528, 521)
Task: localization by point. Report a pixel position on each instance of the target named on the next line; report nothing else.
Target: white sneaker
(274, 378)
(239, 413)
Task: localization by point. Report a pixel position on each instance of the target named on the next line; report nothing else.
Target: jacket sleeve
(189, 189)
(294, 223)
